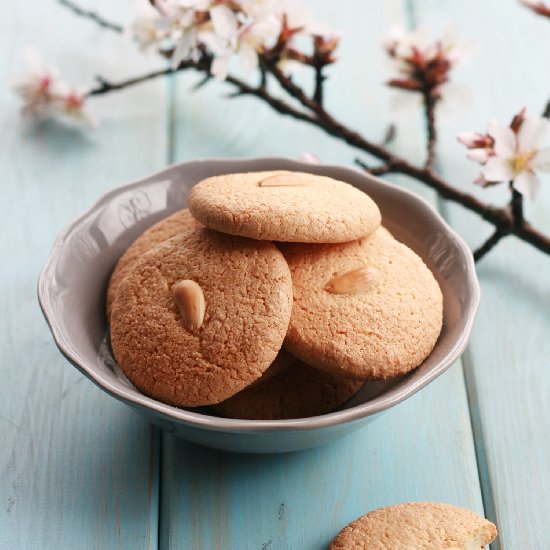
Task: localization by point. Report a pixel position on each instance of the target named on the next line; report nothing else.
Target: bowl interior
(73, 284)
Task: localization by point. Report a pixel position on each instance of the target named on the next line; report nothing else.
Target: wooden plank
(77, 468)
(421, 450)
(507, 363)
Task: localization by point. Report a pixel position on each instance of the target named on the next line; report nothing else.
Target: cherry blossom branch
(546, 112)
(203, 65)
(93, 16)
(508, 220)
(505, 222)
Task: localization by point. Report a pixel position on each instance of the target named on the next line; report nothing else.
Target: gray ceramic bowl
(73, 283)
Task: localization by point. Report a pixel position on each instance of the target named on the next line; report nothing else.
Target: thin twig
(293, 89)
(92, 15)
(430, 101)
(389, 136)
(379, 170)
(489, 244)
(106, 86)
(318, 93)
(546, 112)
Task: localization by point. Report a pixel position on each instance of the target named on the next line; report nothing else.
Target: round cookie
(368, 308)
(284, 206)
(177, 224)
(418, 525)
(298, 391)
(247, 293)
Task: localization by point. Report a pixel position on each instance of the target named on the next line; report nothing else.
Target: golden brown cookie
(201, 317)
(369, 308)
(177, 224)
(298, 391)
(284, 206)
(418, 526)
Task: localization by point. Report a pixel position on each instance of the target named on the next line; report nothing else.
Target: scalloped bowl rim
(386, 400)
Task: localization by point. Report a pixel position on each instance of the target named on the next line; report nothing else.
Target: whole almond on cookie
(355, 281)
(189, 298)
(418, 526)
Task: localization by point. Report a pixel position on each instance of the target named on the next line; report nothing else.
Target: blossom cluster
(46, 95)
(511, 153)
(424, 63)
(188, 29)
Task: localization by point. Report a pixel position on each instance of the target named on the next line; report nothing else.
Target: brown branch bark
(489, 244)
(106, 86)
(92, 15)
(516, 207)
(318, 93)
(430, 101)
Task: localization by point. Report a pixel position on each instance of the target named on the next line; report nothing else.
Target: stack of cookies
(276, 295)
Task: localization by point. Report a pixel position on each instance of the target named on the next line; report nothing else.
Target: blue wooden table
(79, 470)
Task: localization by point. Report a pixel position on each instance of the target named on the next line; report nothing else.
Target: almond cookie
(418, 526)
(177, 224)
(368, 308)
(201, 317)
(284, 206)
(298, 391)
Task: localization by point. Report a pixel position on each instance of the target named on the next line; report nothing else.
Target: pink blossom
(424, 63)
(45, 95)
(511, 153)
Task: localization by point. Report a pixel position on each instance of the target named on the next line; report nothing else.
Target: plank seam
(472, 395)
(486, 489)
(160, 488)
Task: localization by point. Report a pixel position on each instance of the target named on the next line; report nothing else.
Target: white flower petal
(469, 139)
(263, 32)
(185, 47)
(224, 21)
(497, 169)
(541, 161)
(214, 43)
(505, 139)
(532, 132)
(220, 67)
(478, 155)
(528, 184)
(248, 57)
